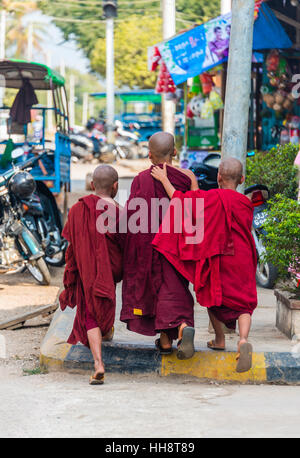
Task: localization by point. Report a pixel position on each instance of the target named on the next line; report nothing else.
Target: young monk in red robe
(156, 298)
(93, 267)
(222, 266)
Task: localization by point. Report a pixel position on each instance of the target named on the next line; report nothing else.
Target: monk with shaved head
(156, 298)
(93, 267)
(222, 265)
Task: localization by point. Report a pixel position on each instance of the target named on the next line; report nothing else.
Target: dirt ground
(23, 344)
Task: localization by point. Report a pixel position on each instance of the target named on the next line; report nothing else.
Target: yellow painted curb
(53, 353)
(216, 366)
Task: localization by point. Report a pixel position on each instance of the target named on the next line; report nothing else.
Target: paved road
(64, 405)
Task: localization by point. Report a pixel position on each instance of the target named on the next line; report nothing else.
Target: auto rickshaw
(23, 137)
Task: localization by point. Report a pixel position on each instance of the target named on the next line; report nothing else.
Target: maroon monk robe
(155, 296)
(222, 267)
(93, 266)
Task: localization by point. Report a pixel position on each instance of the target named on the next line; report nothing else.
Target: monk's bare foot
(180, 330)
(99, 368)
(165, 342)
(98, 377)
(241, 342)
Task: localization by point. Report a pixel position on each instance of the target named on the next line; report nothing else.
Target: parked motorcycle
(43, 219)
(207, 171)
(82, 147)
(266, 273)
(18, 246)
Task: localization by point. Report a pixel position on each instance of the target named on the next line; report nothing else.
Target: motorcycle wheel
(37, 267)
(266, 275)
(39, 270)
(58, 260)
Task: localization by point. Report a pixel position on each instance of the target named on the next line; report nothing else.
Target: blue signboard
(207, 45)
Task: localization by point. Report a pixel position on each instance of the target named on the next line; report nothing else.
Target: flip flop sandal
(212, 346)
(244, 358)
(163, 351)
(185, 346)
(98, 380)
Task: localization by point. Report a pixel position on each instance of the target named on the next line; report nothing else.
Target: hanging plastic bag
(216, 100)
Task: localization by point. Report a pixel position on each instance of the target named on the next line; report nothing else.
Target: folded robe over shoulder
(222, 266)
(155, 296)
(93, 266)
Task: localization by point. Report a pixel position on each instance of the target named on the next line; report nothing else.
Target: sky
(57, 48)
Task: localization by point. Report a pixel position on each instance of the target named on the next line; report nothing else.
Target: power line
(92, 21)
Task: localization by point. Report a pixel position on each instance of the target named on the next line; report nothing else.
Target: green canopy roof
(14, 71)
(133, 96)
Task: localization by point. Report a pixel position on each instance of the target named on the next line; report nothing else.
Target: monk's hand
(160, 174)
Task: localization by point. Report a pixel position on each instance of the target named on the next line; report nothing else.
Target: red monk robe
(155, 296)
(222, 267)
(93, 266)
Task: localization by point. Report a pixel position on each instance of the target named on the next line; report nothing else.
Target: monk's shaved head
(231, 171)
(161, 146)
(104, 177)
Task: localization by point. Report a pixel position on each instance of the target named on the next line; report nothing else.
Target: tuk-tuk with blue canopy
(142, 107)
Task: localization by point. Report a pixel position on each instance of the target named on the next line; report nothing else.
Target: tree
(131, 44)
(17, 31)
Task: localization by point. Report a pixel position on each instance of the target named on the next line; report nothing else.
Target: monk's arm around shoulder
(161, 175)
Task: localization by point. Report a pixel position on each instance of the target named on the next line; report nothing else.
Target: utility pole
(169, 29)
(85, 108)
(110, 12)
(237, 98)
(30, 42)
(225, 6)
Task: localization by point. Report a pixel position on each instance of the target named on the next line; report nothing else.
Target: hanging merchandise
(196, 105)
(257, 7)
(207, 83)
(165, 84)
(295, 130)
(215, 100)
(155, 59)
(189, 112)
(196, 87)
(207, 110)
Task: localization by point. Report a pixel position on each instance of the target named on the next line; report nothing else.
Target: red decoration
(155, 59)
(207, 83)
(165, 84)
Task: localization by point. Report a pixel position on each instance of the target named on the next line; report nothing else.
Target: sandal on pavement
(185, 345)
(212, 345)
(97, 379)
(244, 358)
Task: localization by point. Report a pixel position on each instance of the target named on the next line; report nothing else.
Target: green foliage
(197, 11)
(36, 371)
(275, 169)
(131, 43)
(282, 239)
(83, 21)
